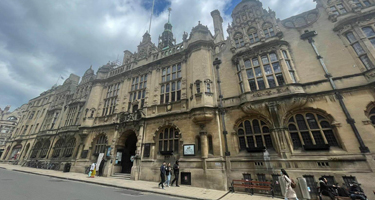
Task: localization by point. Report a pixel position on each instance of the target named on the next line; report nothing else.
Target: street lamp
(217, 63)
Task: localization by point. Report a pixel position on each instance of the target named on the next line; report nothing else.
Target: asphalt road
(21, 186)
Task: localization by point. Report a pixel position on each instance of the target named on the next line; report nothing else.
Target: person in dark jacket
(162, 175)
(176, 171)
(356, 192)
(325, 189)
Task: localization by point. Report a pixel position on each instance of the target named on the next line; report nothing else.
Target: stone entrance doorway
(128, 152)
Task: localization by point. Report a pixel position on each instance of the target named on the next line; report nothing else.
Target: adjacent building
(296, 94)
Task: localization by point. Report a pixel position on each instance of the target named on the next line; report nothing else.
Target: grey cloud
(39, 40)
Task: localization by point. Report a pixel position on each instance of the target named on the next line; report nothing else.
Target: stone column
(204, 144)
(112, 158)
(136, 163)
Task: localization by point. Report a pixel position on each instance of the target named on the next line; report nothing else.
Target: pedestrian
(356, 192)
(325, 189)
(162, 175)
(176, 171)
(92, 168)
(290, 194)
(168, 173)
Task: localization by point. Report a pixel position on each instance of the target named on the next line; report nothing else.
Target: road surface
(22, 186)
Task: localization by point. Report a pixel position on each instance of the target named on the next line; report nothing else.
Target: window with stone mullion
(171, 84)
(111, 99)
(264, 74)
(370, 34)
(253, 35)
(58, 147)
(289, 66)
(361, 53)
(168, 140)
(310, 129)
(338, 9)
(362, 3)
(238, 40)
(254, 134)
(138, 90)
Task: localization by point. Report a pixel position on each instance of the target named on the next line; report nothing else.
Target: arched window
(361, 53)
(371, 116)
(264, 74)
(370, 34)
(44, 150)
(57, 148)
(253, 35)
(101, 145)
(254, 134)
(311, 129)
(238, 40)
(36, 149)
(68, 152)
(168, 139)
(268, 30)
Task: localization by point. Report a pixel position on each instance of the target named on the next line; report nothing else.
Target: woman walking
(290, 194)
(168, 172)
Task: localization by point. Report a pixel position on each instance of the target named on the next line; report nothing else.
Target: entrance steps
(122, 176)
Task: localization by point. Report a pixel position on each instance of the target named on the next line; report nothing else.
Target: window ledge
(198, 94)
(209, 93)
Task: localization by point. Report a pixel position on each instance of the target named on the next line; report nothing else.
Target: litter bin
(67, 167)
(185, 178)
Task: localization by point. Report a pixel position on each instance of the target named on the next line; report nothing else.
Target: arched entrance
(128, 152)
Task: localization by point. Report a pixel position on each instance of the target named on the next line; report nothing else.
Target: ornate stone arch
(310, 128)
(288, 114)
(156, 133)
(253, 133)
(370, 113)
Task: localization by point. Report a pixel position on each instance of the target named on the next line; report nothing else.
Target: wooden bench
(252, 185)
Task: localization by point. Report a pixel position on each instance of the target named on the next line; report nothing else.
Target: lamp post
(217, 63)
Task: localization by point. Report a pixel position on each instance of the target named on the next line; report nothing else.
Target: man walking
(176, 171)
(162, 175)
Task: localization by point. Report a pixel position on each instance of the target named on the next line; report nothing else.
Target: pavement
(186, 192)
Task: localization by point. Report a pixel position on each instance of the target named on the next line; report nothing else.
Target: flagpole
(58, 79)
(152, 13)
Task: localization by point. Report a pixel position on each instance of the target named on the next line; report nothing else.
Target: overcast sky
(41, 39)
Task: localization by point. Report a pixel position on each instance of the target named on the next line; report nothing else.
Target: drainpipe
(217, 63)
(309, 36)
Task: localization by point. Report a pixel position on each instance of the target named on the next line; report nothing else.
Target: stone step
(121, 176)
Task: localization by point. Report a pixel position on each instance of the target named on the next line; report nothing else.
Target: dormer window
(338, 9)
(253, 35)
(268, 30)
(362, 3)
(238, 39)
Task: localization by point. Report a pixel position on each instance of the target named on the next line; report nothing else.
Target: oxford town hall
(296, 94)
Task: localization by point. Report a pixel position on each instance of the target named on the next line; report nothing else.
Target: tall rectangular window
(138, 91)
(171, 84)
(111, 99)
(361, 53)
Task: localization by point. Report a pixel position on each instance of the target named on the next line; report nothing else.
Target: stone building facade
(8, 122)
(296, 93)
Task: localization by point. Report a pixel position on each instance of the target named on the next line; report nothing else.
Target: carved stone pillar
(136, 163)
(109, 165)
(204, 144)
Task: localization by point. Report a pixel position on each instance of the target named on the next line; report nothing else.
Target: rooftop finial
(91, 67)
(169, 14)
